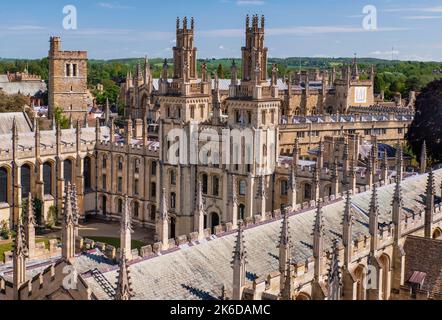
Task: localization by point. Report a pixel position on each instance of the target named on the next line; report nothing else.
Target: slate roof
(47, 138)
(7, 118)
(424, 256)
(31, 88)
(199, 272)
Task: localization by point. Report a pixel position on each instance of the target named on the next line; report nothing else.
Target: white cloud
(383, 53)
(112, 5)
(422, 17)
(436, 9)
(221, 47)
(250, 2)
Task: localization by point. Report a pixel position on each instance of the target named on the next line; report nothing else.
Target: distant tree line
(391, 76)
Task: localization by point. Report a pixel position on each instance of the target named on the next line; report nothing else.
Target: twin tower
(254, 53)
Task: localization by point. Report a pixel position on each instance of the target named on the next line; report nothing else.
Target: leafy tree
(52, 217)
(427, 122)
(12, 103)
(220, 71)
(61, 119)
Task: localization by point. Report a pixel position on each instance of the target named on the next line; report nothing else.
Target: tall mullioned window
(215, 186)
(25, 181)
(47, 178)
(3, 185)
(87, 173)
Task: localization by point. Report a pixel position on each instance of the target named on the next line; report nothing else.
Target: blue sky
(407, 29)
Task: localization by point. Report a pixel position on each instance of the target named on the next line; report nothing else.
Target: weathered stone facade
(67, 81)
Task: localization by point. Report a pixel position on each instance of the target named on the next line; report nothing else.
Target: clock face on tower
(360, 95)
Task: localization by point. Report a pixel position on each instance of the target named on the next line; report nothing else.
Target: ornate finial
(263, 21)
(348, 215)
(192, 23)
(240, 254)
(397, 197)
(261, 194)
(20, 249)
(200, 199)
(374, 219)
(185, 23)
(30, 218)
(247, 21)
(431, 191)
(319, 223)
(177, 23)
(74, 199)
(67, 210)
(126, 220)
(163, 205)
(285, 239)
(234, 190)
(334, 278)
(123, 290)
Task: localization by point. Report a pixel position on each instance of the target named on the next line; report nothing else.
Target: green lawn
(116, 242)
(5, 247)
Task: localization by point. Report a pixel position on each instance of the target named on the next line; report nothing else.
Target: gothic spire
(20, 253)
(68, 233)
(126, 230)
(284, 241)
(334, 278)
(199, 215)
(397, 210)
(318, 241)
(374, 219)
(429, 204)
(239, 264)
(123, 290)
(347, 234)
(287, 290)
(399, 162)
(163, 205)
(30, 217)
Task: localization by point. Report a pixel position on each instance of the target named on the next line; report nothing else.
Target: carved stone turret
(19, 255)
(429, 205)
(68, 233)
(200, 212)
(30, 227)
(126, 230)
(239, 265)
(347, 233)
(374, 220)
(123, 290)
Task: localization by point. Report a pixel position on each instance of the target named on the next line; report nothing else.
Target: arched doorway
(104, 205)
(241, 211)
(307, 192)
(172, 227)
(360, 277)
(327, 191)
(437, 235)
(385, 289)
(215, 221)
